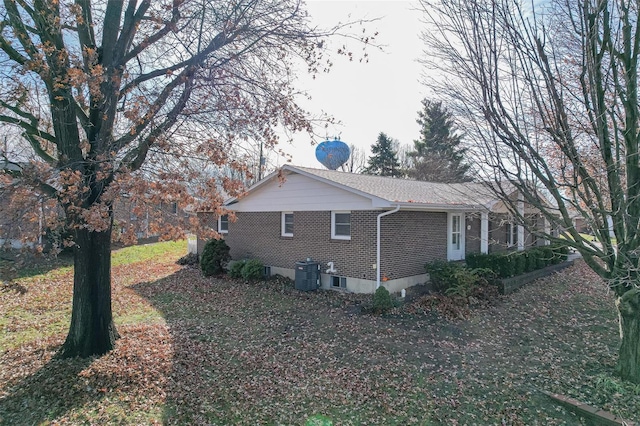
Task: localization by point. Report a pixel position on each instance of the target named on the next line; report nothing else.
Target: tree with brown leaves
(138, 97)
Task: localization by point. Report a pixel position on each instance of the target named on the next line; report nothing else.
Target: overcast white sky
(382, 95)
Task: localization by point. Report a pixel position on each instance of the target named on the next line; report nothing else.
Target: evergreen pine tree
(384, 161)
(438, 156)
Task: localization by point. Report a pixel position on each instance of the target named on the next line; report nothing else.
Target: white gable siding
(300, 193)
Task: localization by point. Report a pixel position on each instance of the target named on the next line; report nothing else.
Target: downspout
(378, 243)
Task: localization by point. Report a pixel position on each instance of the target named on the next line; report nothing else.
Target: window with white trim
(456, 231)
(341, 225)
(287, 224)
(223, 224)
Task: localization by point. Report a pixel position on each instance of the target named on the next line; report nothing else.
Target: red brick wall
(257, 235)
(409, 240)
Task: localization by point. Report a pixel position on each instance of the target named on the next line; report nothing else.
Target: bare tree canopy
(549, 93)
(357, 160)
(115, 97)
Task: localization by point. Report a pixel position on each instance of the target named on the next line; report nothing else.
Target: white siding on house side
(300, 193)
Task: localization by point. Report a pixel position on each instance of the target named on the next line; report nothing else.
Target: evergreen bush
(215, 256)
(453, 279)
(509, 264)
(505, 265)
(462, 283)
(235, 271)
(560, 253)
(253, 270)
(189, 259)
(382, 301)
(546, 255)
(441, 273)
(520, 260)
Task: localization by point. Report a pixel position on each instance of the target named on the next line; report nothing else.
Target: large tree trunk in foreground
(92, 331)
(629, 357)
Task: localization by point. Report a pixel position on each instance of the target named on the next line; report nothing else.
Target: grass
(197, 350)
(591, 237)
(157, 252)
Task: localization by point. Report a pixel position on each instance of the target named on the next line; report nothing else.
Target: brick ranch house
(366, 230)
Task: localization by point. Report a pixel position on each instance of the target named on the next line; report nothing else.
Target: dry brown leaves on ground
(213, 351)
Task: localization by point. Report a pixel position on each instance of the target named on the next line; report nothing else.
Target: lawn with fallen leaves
(197, 350)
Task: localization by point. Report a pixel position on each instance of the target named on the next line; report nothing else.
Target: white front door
(455, 236)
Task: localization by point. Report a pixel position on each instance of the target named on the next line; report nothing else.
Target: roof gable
(302, 188)
(407, 192)
(300, 192)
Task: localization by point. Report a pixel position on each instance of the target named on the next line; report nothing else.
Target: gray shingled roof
(407, 191)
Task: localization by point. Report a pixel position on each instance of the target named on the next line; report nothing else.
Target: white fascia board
(440, 207)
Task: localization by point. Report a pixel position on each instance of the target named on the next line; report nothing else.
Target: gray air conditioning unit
(307, 275)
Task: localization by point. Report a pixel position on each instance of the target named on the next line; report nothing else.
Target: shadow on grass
(16, 264)
(221, 332)
(47, 394)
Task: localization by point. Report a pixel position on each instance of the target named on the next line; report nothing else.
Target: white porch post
(520, 227)
(484, 232)
(547, 230)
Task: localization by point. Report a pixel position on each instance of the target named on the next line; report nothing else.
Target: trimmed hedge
(510, 264)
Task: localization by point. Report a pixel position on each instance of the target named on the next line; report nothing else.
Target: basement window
(338, 282)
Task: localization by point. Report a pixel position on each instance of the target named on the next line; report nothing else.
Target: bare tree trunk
(629, 358)
(92, 331)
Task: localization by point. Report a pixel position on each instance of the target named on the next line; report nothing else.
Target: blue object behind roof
(332, 154)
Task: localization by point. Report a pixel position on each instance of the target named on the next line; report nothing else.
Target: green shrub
(382, 301)
(560, 253)
(546, 255)
(507, 265)
(528, 261)
(235, 271)
(453, 279)
(479, 260)
(215, 256)
(442, 273)
(253, 270)
(473, 260)
(189, 259)
(462, 283)
(487, 277)
(520, 260)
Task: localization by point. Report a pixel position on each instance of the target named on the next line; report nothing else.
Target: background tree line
(438, 155)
